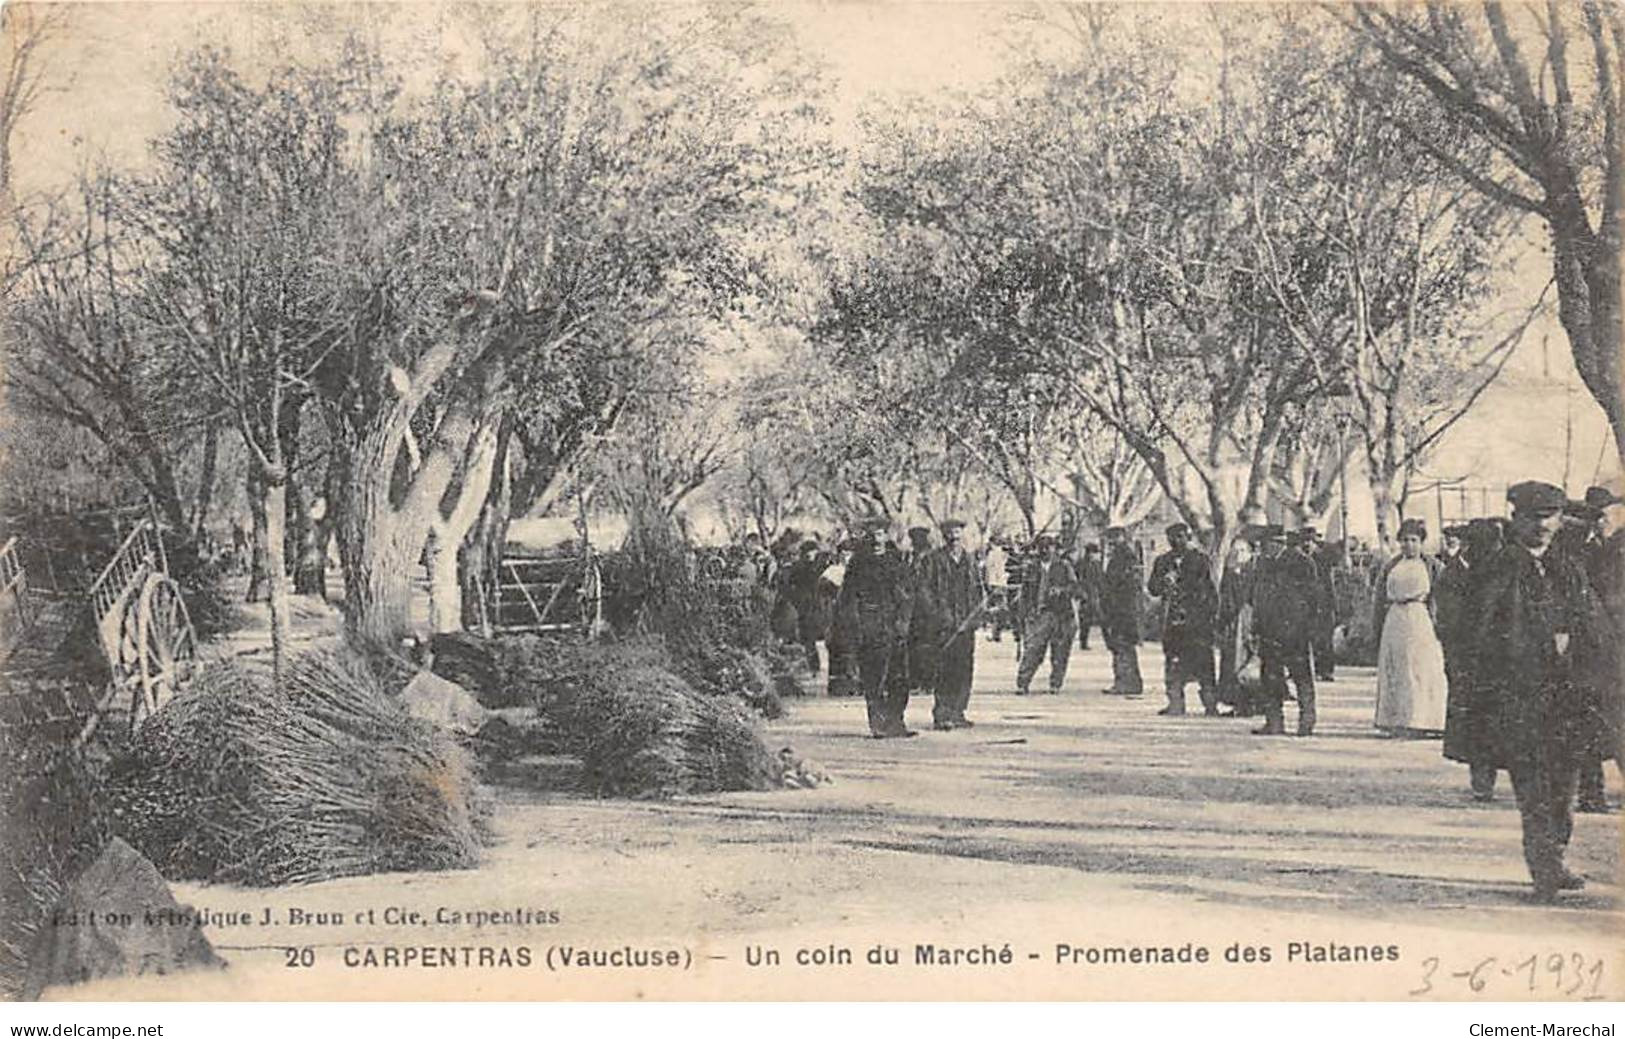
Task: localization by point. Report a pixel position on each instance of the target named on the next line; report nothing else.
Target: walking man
(1120, 613)
(873, 614)
(1285, 598)
(1539, 630)
(951, 600)
(1052, 584)
(1182, 579)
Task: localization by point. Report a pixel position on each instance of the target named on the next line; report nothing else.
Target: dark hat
(1601, 497)
(1302, 535)
(1456, 531)
(919, 533)
(1533, 496)
(868, 523)
(809, 545)
(1582, 511)
(1483, 532)
(953, 524)
(1413, 527)
(1176, 528)
(1091, 548)
(1043, 541)
(1271, 532)
(1116, 532)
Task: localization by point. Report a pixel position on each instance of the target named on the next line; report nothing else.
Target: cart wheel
(165, 647)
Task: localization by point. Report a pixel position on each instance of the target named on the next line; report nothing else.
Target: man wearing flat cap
(1051, 622)
(872, 614)
(1286, 602)
(1183, 580)
(1120, 593)
(948, 609)
(1540, 632)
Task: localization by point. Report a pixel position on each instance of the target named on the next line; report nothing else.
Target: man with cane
(951, 595)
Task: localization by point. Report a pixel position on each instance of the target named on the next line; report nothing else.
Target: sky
(109, 77)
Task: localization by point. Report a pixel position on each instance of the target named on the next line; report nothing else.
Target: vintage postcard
(813, 501)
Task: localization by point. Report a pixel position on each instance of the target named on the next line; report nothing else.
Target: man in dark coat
(1539, 630)
(1452, 620)
(1017, 559)
(1091, 576)
(802, 589)
(1286, 599)
(948, 604)
(1051, 585)
(843, 680)
(873, 614)
(1602, 556)
(782, 617)
(922, 647)
(1120, 613)
(1183, 580)
(1325, 635)
(1466, 735)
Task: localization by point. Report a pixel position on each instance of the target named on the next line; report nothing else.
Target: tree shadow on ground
(1319, 889)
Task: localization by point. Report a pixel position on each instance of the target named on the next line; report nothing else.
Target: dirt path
(1076, 820)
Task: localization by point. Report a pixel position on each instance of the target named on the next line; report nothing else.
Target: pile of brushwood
(623, 708)
(319, 776)
(717, 640)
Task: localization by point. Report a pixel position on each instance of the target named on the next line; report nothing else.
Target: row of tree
(417, 301)
(1202, 256)
(1111, 273)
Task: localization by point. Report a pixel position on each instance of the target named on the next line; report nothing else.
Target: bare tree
(246, 192)
(79, 352)
(589, 179)
(1539, 88)
(28, 30)
(1412, 318)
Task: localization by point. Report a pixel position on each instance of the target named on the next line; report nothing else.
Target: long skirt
(1411, 690)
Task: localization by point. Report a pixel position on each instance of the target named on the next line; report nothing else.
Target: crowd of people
(1503, 642)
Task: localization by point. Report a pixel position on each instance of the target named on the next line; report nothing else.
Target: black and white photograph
(812, 501)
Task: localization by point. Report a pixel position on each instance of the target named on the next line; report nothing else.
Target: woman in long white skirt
(1411, 689)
